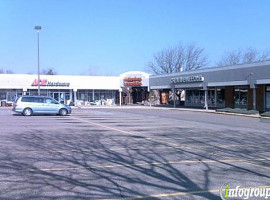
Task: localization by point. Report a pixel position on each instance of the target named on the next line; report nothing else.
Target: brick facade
(229, 94)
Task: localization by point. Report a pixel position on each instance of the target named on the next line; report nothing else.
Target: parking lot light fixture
(38, 28)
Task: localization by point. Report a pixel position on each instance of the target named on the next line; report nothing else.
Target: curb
(177, 109)
(256, 116)
(238, 114)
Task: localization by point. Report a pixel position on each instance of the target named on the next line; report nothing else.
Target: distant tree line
(243, 56)
(48, 71)
(7, 71)
(190, 57)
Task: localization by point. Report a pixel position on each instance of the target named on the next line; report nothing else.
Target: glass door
(56, 96)
(62, 97)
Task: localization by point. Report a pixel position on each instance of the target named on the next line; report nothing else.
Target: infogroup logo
(226, 192)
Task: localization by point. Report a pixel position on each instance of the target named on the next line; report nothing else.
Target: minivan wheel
(63, 112)
(27, 112)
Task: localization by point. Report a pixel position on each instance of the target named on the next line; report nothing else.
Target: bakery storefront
(78, 90)
(240, 86)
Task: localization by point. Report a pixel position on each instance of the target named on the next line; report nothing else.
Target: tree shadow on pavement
(94, 166)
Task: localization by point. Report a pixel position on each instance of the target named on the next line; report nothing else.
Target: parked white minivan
(30, 105)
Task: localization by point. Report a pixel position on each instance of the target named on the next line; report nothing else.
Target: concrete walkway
(160, 108)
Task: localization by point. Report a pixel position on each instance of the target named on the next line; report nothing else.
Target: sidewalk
(144, 107)
(166, 107)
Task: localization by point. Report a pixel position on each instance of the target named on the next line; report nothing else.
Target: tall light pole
(38, 28)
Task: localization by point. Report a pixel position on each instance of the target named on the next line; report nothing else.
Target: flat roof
(211, 69)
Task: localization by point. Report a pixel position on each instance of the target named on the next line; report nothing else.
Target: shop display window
(240, 97)
(220, 97)
(96, 97)
(214, 98)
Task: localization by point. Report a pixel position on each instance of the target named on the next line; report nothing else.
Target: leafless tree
(242, 56)
(187, 57)
(8, 71)
(90, 71)
(49, 71)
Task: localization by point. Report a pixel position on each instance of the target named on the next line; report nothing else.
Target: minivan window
(38, 100)
(50, 101)
(27, 99)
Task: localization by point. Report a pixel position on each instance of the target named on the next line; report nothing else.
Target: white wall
(24, 81)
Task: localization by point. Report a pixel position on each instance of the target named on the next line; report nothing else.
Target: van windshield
(16, 100)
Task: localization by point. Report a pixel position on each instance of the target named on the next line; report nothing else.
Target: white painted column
(205, 99)
(254, 99)
(120, 97)
(70, 95)
(215, 97)
(75, 97)
(150, 98)
(24, 91)
(174, 103)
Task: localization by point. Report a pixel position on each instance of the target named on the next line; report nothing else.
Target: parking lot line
(134, 134)
(257, 165)
(125, 132)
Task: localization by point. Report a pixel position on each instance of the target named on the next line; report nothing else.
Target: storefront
(240, 86)
(135, 87)
(129, 87)
(79, 90)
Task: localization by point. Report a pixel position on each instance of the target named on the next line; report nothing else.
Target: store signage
(44, 82)
(132, 81)
(187, 79)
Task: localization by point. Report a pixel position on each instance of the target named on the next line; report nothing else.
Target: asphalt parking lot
(131, 154)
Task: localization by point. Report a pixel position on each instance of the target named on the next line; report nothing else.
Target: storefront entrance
(139, 94)
(62, 97)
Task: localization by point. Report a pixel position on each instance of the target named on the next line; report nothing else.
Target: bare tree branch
(49, 71)
(8, 71)
(170, 60)
(243, 56)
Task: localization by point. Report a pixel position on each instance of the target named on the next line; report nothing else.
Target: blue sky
(109, 37)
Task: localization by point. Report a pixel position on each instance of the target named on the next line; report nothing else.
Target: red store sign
(44, 82)
(133, 81)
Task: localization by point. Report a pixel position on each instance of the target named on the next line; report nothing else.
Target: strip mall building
(240, 86)
(80, 90)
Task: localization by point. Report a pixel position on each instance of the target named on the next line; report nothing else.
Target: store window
(96, 97)
(189, 96)
(211, 97)
(214, 98)
(194, 98)
(3, 95)
(240, 97)
(220, 97)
